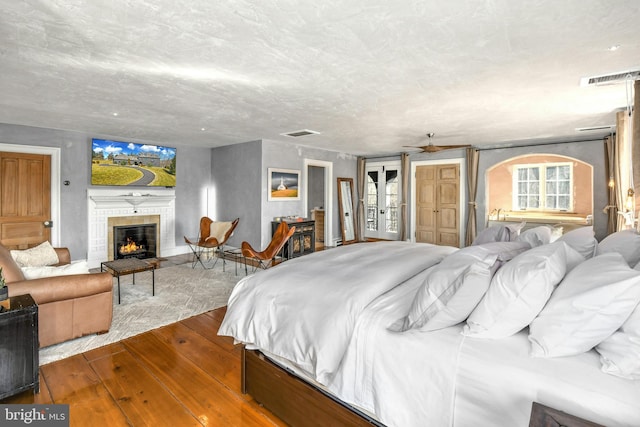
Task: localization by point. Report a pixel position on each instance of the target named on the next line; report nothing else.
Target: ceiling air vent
(299, 133)
(603, 127)
(610, 79)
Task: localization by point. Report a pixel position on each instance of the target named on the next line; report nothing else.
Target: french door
(382, 200)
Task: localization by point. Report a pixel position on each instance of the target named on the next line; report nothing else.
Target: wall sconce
(630, 200)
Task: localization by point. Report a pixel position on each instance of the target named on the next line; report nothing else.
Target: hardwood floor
(181, 374)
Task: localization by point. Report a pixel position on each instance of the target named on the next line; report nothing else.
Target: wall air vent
(299, 133)
(610, 79)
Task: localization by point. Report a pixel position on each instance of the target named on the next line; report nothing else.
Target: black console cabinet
(303, 240)
(19, 346)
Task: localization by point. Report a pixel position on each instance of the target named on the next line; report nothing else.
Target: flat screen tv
(129, 164)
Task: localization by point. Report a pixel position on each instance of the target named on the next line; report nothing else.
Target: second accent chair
(212, 237)
(266, 258)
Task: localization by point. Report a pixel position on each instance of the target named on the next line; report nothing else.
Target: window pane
(391, 202)
(563, 202)
(522, 174)
(522, 202)
(522, 188)
(551, 202)
(551, 187)
(372, 201)
(534, 202)
(534, 188)
(552, 172)
(564, 172)
(564, 188)
(534, 174)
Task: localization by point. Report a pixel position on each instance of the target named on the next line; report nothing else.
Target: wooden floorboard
(178, 375)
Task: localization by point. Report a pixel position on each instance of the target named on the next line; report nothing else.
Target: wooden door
(448, 201)
(438, 204)
(25, 199)
(426, 204)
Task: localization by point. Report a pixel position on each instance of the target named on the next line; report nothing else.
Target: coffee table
(122, 267)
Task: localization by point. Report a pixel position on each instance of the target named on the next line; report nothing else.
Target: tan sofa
(68, 306)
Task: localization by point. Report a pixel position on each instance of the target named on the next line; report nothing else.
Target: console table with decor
(303, 240)
(19, 346)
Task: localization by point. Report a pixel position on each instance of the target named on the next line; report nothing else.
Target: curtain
(404, 222)
(361, 191)
(621, 165)
(635, 141)
(611, 209)
(473, 157)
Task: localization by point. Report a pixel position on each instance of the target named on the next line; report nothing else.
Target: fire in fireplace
(134, 241)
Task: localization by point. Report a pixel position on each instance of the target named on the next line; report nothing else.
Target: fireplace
(134, 241)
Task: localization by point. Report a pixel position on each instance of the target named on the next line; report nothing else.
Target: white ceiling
(372, 76)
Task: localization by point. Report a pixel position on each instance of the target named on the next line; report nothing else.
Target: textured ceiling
(372, 76)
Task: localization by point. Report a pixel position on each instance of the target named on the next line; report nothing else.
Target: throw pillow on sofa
(38, 256)
(76, 267)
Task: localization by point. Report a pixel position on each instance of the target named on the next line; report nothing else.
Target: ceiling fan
(430, 148)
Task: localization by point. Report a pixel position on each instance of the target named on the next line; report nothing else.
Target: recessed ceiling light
(203, 129)
(614, 48)
(115, 114)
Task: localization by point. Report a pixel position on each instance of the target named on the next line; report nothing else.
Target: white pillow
(38, 256)
(582, 240)
(620, 353)
(495, 233)
(588, 306)
(514, 229)
(518, 291)
(218, 229)
(625, 242)
(75, 267)
(536, 236)
(456, 285)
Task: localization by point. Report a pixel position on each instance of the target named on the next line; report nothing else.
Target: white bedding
(412, 378)
(442, 378)
(305, 309)
(403, 378)
(497, 380)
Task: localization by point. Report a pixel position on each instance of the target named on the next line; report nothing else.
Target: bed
(342, 334)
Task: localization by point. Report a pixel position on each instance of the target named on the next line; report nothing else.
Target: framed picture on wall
(284, 184)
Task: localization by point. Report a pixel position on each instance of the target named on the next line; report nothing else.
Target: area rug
(180, 292)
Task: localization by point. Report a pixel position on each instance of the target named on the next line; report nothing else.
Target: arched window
(540, 187)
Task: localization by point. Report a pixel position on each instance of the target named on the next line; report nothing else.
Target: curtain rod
(541, 144)
(498, 147)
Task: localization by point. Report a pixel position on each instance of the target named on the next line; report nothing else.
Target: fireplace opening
(134, 241)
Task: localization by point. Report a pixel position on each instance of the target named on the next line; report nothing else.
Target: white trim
(463, 186)
(54, 152)
(328, 193)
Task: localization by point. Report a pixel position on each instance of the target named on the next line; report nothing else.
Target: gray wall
(193, 175)
(237, 181)
(290, 156)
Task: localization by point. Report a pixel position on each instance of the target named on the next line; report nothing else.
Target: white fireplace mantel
(105, 203)
(134, 199)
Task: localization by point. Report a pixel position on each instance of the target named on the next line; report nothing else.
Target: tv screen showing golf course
(119, 163)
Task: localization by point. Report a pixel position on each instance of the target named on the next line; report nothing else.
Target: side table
(19, 346)
(122, 267)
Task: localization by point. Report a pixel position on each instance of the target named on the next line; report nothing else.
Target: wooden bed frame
(298, 403)
(293, 400)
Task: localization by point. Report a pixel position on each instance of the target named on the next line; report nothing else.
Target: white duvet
(304, 310)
